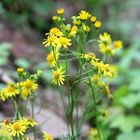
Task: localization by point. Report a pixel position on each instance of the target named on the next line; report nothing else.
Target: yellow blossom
(93, 19)
(74, 30)
(64, 42)
(83, 15)
(86, 27)
(20, 70)
(117, 44)
(55, 31)
(104, 39)
(60, 11)
(106, 50)
(30, 85)
(52, 58)
(50, 41)
(3, 94)
(58, 76)
(25, 93)
(77, 22)
(17, 128)
(97, 24)
(55, 18)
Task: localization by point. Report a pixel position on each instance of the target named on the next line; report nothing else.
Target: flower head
(17, 128)
(52, 58)
(64, 42)
(97, 24)
(60, 11)
(30, 85)
(118, 44)
(55, 31)
(50, 41)
(83, 15)
(55, 18)
(93, 19)
(58, 76)
(73, 31)
(104, 39)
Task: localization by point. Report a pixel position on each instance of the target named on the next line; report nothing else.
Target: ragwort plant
(68, 43)
(22, 92)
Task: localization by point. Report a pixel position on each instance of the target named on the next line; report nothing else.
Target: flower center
(28, 84)
(17, 126)
(11, 89)
(63, 40)
(56, 75)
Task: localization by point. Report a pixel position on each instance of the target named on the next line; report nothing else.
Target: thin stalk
(94, 102)
(70, 98)
(33, 116)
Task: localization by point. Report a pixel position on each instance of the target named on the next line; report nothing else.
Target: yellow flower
(64, 42)
(3, 94)
(47, 136)
(60, 11)
(17, 128)
(12, 89)
(93, 19)
(52, 58)
(93, 134)
(83, 15)
(29, 122)
(73, 31)
(88, 56)
(104, 39)
(4, 124)
(50, 41)
(30, 85)
(97, 24)
(55, 31)
(55, 18)
(76, 22)
(118, 44)
(25, 93)
(106, 50)
(86, 27)
(20, 70)
(58, 77)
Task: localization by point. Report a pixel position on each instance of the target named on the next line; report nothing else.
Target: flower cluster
(59, 39)
(106, 46)
(67, 43)
(24, 88)
(17, 128)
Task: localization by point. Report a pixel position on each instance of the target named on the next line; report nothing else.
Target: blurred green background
(23, 24)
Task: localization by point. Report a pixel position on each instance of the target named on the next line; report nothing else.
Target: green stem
(70, 99)
(94, 102)
(32, 109)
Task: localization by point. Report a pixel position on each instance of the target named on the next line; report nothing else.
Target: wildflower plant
(24, 90)
(68, 43)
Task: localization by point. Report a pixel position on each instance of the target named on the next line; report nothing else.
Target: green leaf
(119, 93)
(125, 123)
(129, 136)
(135, 85)
(131, 100)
